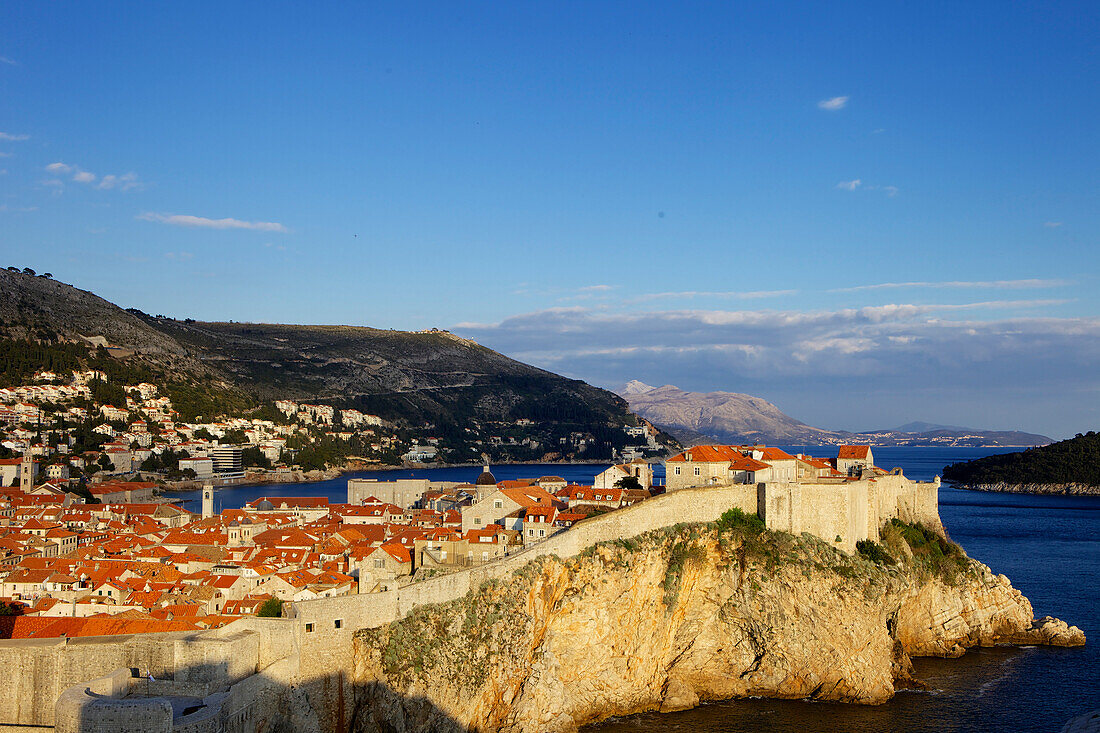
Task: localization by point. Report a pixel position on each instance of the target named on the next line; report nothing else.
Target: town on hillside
(134, 563)
(82, 428)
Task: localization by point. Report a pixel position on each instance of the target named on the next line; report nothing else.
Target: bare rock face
(673, 618)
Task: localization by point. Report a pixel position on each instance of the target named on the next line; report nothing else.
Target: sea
(1049, 546)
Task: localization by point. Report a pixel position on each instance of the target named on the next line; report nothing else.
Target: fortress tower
(207, 501)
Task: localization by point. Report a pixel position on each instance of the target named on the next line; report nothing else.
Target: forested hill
(414, 380)
(1073, 461)
(398, 375)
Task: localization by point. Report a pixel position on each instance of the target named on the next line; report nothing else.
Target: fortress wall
(825, 510)
(180, 662)
(96, 707)
(216, 661)
(922, 506)
(326, 652)
(852, 510)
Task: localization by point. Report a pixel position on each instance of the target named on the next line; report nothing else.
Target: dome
(265, 506)
(486, 478)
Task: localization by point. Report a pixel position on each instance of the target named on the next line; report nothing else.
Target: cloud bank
(824, 360)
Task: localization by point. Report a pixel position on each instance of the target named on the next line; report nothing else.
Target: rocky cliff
(681, 615)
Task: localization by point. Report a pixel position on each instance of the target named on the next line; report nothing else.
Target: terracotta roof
(854, 452)
(708, 454)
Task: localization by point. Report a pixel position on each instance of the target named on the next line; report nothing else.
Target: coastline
(1071, 489)
(316, 476)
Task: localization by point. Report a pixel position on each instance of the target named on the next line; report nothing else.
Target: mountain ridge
(734, 417)
(414, 379)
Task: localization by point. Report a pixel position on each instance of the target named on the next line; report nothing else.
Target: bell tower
(207, 501)
(26, 472)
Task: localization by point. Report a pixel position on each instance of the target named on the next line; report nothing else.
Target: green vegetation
(929, 552)
(629, 483)
(874, 552)
(271, 608)
(1073, 461)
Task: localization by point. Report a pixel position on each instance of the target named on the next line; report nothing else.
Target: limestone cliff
(689, 613)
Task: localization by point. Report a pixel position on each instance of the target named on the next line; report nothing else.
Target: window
(542, 533)
(696, 470)
(498, 504)
(379, 562)
(309, 628)
(477, 520)
(338, 623)
(676, 470)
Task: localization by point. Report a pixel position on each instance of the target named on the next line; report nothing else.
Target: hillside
(1069, 466)
(732, 417)
(397, 375)
(413, 380)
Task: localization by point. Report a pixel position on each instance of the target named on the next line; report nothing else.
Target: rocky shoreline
(1053, 489)
(675, 617)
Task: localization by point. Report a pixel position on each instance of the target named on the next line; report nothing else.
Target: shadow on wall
(378, 708)
(121, 702)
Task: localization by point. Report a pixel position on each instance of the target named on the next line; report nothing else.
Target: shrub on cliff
(931, 552)
(874, 552)
(735, 519)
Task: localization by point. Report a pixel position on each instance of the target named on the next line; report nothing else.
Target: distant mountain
(634, 387)
(732, 417)
(724, 416)
(410, 379)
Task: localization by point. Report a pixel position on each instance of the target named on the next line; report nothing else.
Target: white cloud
(596, 288)
(5, 155)
(186, 220)
(181, 256)
(8, 61)
(833, 104)
(1052, 224)
(9, 137)
(125, 182)
(960, 284)
(849, 185)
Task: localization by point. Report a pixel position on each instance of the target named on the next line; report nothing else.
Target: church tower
(26, 472)
(207, 501)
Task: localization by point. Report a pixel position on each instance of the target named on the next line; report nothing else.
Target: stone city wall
(181, 663)
(326, 650)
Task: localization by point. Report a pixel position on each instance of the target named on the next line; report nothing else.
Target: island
(1067, 467)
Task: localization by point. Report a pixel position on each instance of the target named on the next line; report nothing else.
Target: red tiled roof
(854, 452)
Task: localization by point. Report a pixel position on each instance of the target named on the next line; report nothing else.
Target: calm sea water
(1048, 546)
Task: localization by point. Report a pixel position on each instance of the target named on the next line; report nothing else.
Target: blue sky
(867, 213)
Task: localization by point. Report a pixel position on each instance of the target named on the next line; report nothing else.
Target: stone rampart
(98, 707)
(181, 663)
(326, 647)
